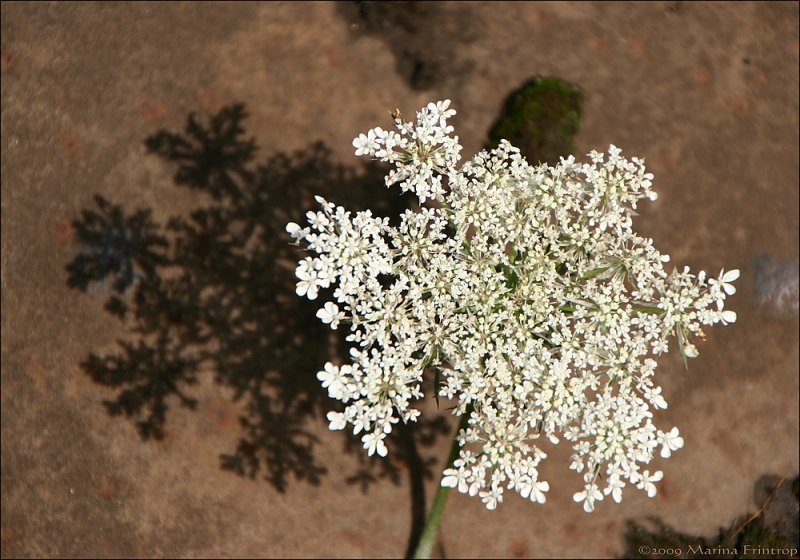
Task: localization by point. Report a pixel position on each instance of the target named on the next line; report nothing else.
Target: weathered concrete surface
(707, 93)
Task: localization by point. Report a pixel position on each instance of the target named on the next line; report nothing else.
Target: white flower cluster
(526, 292)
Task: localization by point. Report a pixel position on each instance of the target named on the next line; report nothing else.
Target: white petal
(337, 421)
(729, 289)
(729, 316)
(294, 230)
(731, 275)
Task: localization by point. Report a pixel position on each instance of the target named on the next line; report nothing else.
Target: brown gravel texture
(706, 92)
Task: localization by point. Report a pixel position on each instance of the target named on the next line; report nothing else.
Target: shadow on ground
(214, 291)
(423, 36)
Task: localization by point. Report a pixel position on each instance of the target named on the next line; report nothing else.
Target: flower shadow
(214, 291)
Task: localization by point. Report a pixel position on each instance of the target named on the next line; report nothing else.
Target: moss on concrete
(541, 118)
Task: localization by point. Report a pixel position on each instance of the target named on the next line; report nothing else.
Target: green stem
(428, 537)
(650, 310)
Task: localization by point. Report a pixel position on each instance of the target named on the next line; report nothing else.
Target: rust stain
(63, 232)
(9, 60)
(223, 414)
(600, 45)
(570, 531)
(353, 538)
(7, 543)
(210, 100)
(69, 144)
(333, 57)
(545, 16)
(661, 162)
(701, 76)
(741, 106)
(109, 488)
(519, 549)
(153, 109)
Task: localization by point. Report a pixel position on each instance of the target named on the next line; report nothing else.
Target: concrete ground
(706, 92)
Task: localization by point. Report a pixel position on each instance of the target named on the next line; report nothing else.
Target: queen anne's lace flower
(528, 291)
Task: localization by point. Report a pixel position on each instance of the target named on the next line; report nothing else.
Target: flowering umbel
(526, 291)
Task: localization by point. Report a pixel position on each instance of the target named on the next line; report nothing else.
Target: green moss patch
(541, 118)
